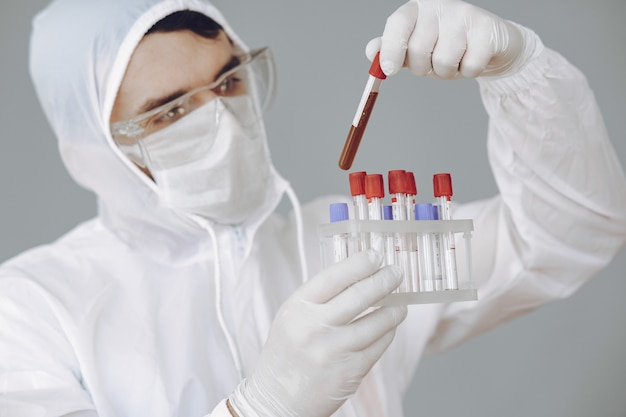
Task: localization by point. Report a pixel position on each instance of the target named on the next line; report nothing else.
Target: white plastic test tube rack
(423, 289)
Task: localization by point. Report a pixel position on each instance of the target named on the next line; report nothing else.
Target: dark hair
(188, 20)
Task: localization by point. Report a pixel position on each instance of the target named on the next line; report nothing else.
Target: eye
(172, 115)
(230, 86)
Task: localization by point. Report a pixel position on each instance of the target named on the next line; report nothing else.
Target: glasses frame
(134, 127)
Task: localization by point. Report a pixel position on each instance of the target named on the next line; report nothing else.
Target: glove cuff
(239, 403)
(248, 400)
(532, 47)
(534, 73)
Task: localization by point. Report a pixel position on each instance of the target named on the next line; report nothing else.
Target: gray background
(566, 359)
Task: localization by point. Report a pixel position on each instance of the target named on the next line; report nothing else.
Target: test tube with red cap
(375, 192)
(442, 187)
(411, 194)
(363, 112)
(357, 189)
(398, 190)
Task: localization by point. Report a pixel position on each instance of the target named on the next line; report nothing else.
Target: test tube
(357, 189)
(375, 192)
(436, 241)
(411, 193)
(390, 246)
(362, 115)
(424, 212)
(442, 188)
(339, 212)
(427, 260)
(397, 191)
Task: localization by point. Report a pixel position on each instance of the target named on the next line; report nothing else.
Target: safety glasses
(253, 76)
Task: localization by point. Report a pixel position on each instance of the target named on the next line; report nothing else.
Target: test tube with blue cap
(390, 246)
(436, 241)
(430, 274)
(339, 212)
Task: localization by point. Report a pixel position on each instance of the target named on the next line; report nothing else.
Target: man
(184, 296)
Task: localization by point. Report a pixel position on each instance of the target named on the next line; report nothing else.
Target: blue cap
(387, 212)
(338, 212)
(423, 211)
(435, 212)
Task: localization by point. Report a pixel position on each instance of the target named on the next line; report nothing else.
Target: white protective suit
(140, 312)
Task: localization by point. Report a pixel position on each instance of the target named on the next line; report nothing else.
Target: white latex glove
(450, 39)
(321, 345)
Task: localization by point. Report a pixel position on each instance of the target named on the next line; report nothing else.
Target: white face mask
(211, 164)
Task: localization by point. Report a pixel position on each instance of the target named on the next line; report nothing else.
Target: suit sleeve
(39, 374)
(560, 216)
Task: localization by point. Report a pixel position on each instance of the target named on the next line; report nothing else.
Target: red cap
(357, 183)
(410, 183)
(397, 181)
(374, 186)
(442, 185)
(375, 70)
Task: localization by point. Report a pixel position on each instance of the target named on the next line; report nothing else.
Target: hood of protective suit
(77, 74)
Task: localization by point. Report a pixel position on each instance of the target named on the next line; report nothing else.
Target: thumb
(372, 48)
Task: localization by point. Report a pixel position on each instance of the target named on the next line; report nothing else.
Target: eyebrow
(153, 103)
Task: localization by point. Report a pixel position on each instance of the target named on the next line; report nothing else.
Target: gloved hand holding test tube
(363, 112)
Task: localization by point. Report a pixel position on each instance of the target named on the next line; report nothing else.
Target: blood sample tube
(363, 112)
